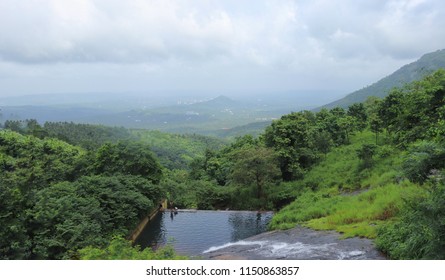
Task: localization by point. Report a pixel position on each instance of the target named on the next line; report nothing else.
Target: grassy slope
(343, 196)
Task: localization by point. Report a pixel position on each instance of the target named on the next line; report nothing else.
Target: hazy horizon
(123, 101)
(217, 47)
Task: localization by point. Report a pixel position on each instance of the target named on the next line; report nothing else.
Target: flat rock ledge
(298, 243)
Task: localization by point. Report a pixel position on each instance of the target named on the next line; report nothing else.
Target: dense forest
(374, 170)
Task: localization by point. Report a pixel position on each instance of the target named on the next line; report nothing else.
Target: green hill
(385, 182)
(427, 64)
(254, 129)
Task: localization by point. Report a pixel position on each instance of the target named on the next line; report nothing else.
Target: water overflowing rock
(296, 244)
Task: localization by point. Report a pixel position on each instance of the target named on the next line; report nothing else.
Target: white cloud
(214, 43)
(409, 28)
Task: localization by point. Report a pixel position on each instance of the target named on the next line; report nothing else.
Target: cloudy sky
(56, 46)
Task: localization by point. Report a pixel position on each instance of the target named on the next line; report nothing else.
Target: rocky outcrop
(297, 244)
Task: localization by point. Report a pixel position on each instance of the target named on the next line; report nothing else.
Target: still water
(192, 233)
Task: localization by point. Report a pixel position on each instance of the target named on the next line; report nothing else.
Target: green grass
(353, 215)
(340, 167)
(345, 197)
(360, 215)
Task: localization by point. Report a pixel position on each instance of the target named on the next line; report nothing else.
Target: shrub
(419, 234)
(121, 249)
(422, 158)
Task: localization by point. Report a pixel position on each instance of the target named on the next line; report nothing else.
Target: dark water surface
(194, 232)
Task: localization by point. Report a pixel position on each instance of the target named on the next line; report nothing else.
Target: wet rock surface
(297, 244)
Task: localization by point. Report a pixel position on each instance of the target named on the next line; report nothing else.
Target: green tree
(35, 129)
(71, 215)
(336, 128)
(34, 163)
(346, 126)
(61, 221)
(358, 112)
(365, 153)
(124, 199)
(210, 196)
(131, 158)
(290, 137)
(415, 111)
(14, 125)
(372, 105)
(423, 158)
(322, 141)
(376, 125)
(390, 110)
(88, 136)
(339, 125)
(14, 239)
(256, 166)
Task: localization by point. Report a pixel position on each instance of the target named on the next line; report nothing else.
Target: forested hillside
(387, 181)
(426, 65)
(58, 198)
(374, 170)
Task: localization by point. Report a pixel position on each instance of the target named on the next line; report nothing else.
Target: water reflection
(247, 224)
(194, 232)
(155, 237)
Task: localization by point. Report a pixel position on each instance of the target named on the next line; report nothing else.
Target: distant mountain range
(205, 117)
(411, 72)
(185, 112)
(215, 116)
(178, 112)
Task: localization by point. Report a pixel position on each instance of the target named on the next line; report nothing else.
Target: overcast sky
(51, 46)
